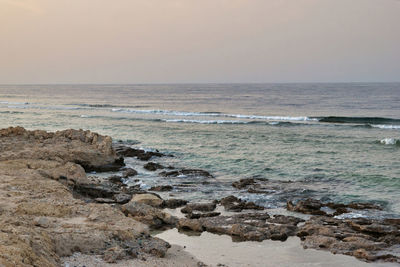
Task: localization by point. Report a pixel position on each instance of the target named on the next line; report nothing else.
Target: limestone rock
(148, 199)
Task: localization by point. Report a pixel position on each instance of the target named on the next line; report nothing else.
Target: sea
(335, 141)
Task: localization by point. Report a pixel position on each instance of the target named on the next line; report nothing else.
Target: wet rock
(232, 203)
(113, 166)
(161, 188)
(308, 206)
(363, 238)
(149, 215)
(243, 183)
(152, 166)
(93, 190)
(115, 179)
(174, 203)
(141, 154)
(202, 215)
(313, 206)
(282, 219)
(242, 227)
(148, 199)
(122, 198)
(189, 208)
(129, 172)
(187, 172)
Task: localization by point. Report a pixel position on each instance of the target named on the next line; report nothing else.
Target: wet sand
(215, 249)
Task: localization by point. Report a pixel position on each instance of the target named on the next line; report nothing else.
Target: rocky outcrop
(187, 173)
(245, 227)
(366, 239)
(313, 206)
(189, 208)
(232, 203)
(90, 150)
(148, 199)
(152, 166)
(161, 188)
(149, 215)
(40, 218)
(173, 203)
(126, 151)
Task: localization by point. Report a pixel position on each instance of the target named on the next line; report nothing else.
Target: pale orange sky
(167, 41)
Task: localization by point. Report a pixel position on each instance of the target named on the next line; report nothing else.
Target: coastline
(52, 209)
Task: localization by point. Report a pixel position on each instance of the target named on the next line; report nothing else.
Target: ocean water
(337, 142)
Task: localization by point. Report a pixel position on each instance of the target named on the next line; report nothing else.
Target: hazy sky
(167, 41)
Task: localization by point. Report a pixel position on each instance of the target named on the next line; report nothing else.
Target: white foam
(163, 112)
(204, 114)
(206, 121)
(383, 126)
(390, 141)
(351, 215)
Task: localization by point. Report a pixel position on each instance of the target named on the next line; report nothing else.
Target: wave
(212, 114)
(11, 112)
(382, 126)
(105, 106)
(390, 141)
(165, 112)
(208, 121)
(13, 103)
(359, 120)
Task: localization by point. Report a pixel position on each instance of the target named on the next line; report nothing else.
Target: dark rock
(242, 227)
(122, 198)
(115, 179)
(187, 172)
(174, 203)
(189, 208)
(232, 203)
(161, 188)
(202, 215)
(363, 238)
(106, 190)
(243, 183)
(281, 219)
(129, 172)
(115, 166)
(152, 166)
(125, 151)
(308, 206)
(313, 206)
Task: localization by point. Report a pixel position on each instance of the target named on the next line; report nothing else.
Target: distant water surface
(341, 141)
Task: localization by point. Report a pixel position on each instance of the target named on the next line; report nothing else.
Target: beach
(55, 211)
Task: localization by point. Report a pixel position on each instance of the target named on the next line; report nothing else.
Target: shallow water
(277, 131)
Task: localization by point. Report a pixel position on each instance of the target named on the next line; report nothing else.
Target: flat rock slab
(366, 239)
(245, 227)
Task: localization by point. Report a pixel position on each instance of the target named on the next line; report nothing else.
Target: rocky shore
(50, 208)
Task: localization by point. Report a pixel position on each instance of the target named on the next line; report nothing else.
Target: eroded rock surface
(126, 151)
(187, 173)
(246, 226)
(232, 203)
(313, 206)
(40, 219)
(366, 239)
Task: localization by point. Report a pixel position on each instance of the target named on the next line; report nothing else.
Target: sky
(199, 41)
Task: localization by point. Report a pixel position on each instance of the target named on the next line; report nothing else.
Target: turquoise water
(277, 131)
